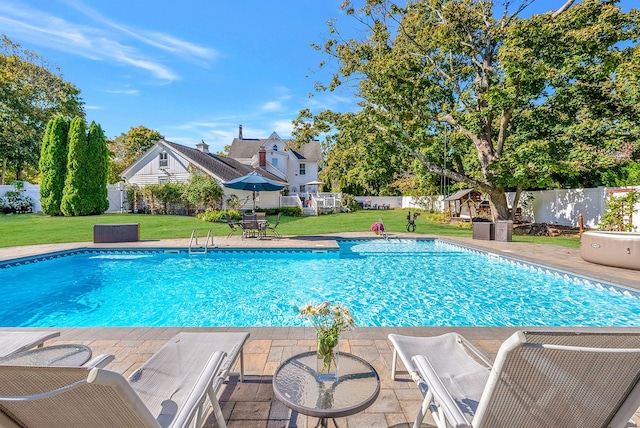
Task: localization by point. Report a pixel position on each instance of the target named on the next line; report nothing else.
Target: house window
(274, 162)
(164, 159)
(163, 180)
(303, 169)
(275, 147)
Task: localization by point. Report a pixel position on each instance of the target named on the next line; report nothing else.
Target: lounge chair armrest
(440, 395)
(100, 361)
(199, 391)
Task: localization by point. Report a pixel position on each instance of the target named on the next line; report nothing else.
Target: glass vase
(327, 355)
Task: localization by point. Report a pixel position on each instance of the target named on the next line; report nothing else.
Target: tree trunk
(499, 201)
(4, 170)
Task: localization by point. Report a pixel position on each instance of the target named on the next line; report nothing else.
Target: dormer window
(163, 158)
(275, 147)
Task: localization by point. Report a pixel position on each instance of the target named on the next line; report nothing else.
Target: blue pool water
(395, 283)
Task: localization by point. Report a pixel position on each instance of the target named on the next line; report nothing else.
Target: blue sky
(193, 70)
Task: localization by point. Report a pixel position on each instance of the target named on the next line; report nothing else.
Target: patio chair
(250, 226)
(274, 226)
(539, 379)
(13, 341)
(174, 388)
(232, 224)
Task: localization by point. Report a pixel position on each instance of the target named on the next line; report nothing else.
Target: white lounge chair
(174, 388)
(12, 341)
(539, 379)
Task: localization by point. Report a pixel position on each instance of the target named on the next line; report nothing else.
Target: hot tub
(619, 249)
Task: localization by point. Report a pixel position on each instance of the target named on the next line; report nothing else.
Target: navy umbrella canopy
(254, 182)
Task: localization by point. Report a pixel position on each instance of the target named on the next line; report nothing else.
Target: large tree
(76, 197)
(98, 161)
(53, 165)
(521, 103)
(31, 93)
(128, 147)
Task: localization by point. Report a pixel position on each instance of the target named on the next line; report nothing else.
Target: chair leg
(423, 410)
(394, 364)
(217, 410)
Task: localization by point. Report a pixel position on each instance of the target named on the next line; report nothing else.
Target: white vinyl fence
(115, 193)
(564, 206)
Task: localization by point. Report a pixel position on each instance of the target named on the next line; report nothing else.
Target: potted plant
(377, 227)
(329, 321)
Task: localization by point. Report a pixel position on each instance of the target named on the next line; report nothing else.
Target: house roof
(243, 148)
(223, 167)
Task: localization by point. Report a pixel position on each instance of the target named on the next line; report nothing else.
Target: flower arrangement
(329, 321)
(377, 227)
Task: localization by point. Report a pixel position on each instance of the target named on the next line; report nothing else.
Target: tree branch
(564, 8)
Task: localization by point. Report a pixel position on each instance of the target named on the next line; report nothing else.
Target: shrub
(98, 159)
(75, 196)
(53, 165)
(291, 211)
(235, 215)
(212, 216)
(619, 212)
(220, 216)
(15, 202)
(203, 191)
(349, 202)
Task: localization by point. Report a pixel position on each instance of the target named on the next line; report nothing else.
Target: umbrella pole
(254, 201)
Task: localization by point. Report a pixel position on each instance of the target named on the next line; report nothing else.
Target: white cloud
(272, 106)
(283, 128)
(102, 40)
(123, 91)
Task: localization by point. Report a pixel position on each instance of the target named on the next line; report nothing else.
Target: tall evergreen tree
(53, 165)
(76, 195)
(98, 160)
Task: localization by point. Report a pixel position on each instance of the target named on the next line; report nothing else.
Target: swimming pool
(384, 283)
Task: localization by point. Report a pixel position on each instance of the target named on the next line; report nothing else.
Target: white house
(295, 166)
(271, 157)
(170, 162)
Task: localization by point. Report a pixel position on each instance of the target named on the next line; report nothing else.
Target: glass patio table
(296, 386)
(55, 355)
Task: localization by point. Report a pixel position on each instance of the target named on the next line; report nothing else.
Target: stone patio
(251, 403)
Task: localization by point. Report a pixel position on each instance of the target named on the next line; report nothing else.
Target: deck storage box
(484, 230)
(106, 233)
(504, 230)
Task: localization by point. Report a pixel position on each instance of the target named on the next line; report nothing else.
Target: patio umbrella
(254, 182)
(314, 183)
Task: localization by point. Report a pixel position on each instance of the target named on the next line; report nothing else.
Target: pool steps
(195, 247)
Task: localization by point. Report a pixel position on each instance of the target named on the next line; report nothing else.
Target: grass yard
(29, 229)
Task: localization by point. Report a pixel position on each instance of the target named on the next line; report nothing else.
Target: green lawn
(27, 229)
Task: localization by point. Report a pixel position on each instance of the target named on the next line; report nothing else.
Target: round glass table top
(55, 355)
(295, 384)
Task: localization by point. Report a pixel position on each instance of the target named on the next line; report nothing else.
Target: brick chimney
(203, 147)
(240, 132)
(262, 157)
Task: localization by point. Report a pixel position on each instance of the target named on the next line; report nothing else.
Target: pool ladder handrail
(384, 229)
(199, 249)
